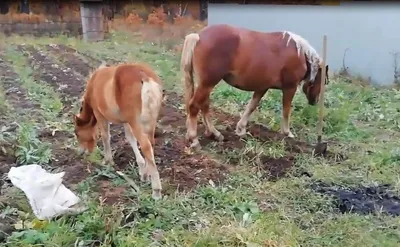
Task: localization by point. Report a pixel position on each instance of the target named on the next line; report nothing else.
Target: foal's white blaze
(312, 56)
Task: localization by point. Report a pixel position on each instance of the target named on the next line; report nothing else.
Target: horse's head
(312, 89)
(85, 130)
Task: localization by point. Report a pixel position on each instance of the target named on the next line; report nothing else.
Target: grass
(245, 210)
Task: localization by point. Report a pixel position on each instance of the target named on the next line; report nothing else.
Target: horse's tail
(187, 64)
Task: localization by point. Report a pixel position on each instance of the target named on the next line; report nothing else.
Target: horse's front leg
(251, 106)
(105, 137)
(287, 98)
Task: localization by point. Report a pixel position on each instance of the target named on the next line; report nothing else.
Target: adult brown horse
(247, 60)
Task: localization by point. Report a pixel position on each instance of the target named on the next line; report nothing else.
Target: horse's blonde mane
(311, 54)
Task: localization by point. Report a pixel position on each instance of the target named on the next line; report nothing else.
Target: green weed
(29, 147)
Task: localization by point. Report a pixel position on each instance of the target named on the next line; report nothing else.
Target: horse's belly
(244, 83)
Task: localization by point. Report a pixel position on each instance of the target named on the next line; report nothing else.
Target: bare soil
(70, 60)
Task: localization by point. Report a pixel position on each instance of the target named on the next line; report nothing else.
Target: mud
(361, 200)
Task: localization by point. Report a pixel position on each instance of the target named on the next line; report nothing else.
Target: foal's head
(85, 129)
(312, 88)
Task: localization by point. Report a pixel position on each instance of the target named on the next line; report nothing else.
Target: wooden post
(92, 20)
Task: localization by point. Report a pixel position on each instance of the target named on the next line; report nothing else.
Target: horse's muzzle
(312, 102)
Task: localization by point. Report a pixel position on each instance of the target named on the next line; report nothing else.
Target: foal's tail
(187, 64)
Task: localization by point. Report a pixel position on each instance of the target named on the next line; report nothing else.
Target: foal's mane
(311, 54)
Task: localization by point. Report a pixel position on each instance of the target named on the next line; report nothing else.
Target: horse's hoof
(219, 137)
(195, 145)
(156, 194)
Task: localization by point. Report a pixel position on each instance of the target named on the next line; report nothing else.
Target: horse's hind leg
(150, 169)
(251, 106)
(287, 98)
(210, 129)
(200, 100)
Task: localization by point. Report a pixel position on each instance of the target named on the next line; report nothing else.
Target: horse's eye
(80, 109)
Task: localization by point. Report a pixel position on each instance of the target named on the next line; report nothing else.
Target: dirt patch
(70, 60)
(362, 200)
(276, 168)
(60, 78)
(66, 159)
(92, 61)
(109, 193)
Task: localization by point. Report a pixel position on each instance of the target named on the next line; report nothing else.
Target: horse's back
(246, 59)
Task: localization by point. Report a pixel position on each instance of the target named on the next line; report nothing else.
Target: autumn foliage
(161, 26)
(158, 27)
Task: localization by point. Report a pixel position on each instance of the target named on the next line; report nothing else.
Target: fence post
(92, 20)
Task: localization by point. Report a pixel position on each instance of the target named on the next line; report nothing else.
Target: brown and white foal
(128, 94)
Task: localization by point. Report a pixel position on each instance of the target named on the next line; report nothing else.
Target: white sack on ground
(47, 195)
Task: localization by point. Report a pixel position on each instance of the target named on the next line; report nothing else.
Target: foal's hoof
(240, 131)
(288, 134)
(108, 162)
(156, 195)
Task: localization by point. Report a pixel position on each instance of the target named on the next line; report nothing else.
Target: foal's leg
(251, 106)
(210, 129)
(197, 102)
(105, 137)
(287, 98)
(133, 142)
(150, 169)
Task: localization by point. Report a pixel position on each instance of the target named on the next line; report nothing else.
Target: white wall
(370, 31)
